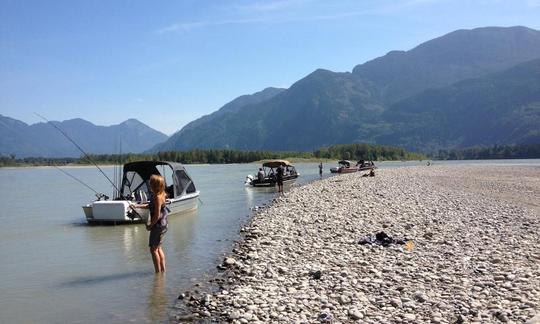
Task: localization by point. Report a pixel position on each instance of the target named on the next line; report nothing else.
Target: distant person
(320, 169)
(158, 221)
(260, 175)
(372, 173)
(279, 178)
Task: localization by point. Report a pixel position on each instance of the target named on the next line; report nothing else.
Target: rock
(234, 315)
(396, 302)
(316, 274)
(343, 299)
(355, 314)
(421, 297)
(229, 261)
(187, 318)
(409, 317)
(325, 317)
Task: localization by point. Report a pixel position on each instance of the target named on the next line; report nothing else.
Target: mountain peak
(458, 55)
(131, 122)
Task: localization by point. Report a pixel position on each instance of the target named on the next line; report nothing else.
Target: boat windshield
(133, 182)
(183, 183)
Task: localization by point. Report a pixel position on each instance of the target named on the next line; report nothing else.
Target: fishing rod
(98, 194)
(80, 149)
(88, 158)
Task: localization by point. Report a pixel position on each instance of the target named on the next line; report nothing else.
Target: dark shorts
(156, 236)
(280, 181)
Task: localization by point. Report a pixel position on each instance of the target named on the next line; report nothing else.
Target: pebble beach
(471, 255)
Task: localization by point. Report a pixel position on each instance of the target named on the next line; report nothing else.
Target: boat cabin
(136, 179)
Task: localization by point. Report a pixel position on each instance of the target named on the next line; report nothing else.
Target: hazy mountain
(43, 140)
(502, 108)
(189, 135)
(327, 108)
(459, 55)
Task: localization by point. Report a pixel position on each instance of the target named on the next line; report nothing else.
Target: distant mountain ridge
(42, 140)
(502, 107)
(326, 107)
(459, 55)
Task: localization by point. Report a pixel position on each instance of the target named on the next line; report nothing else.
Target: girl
(158, 221)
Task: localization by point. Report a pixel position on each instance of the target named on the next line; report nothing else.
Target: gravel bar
(472, 252)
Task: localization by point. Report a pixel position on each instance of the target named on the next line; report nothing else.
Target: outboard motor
(249, 180)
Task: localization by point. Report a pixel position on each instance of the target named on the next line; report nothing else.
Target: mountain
(326, 107)
(43, 140)
(189, 135)
(501, 108)
(459, 55)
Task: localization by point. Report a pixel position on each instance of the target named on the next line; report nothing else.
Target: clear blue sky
(167, 63)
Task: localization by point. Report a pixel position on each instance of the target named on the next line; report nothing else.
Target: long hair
(157, 185)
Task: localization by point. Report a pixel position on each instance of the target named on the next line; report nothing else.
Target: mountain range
(468, 87)
(43, 140)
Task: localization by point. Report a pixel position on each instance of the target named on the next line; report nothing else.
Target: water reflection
(180, 234)
(157, 299)
(104, 279)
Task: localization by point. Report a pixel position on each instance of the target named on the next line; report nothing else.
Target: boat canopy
(345, 162)
(137, 178)
(276, 163)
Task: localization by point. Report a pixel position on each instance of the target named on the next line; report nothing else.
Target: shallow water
(55, 268)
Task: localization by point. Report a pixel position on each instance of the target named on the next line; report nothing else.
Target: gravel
(471, 252)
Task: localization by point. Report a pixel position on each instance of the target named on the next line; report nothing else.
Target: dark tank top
(163, 213)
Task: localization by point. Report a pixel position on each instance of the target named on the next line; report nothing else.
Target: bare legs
(158, 257)
(161, 259)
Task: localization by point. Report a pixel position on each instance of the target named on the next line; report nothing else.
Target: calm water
(54, 268)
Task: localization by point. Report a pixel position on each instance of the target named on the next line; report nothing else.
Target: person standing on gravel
(280, 178)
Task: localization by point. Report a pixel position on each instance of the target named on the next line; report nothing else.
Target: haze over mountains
(468, 87)
(42, 140)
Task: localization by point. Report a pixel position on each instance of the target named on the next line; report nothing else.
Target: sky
(167, 63)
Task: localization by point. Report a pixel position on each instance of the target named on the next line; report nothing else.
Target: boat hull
(119, 211)
(367, 168)
(272, 183)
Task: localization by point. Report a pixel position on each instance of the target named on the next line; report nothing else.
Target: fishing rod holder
(100, 196)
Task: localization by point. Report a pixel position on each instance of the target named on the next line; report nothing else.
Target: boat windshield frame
(345, 163)
(145, 169)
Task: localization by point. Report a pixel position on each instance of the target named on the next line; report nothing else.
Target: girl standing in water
(158, 221)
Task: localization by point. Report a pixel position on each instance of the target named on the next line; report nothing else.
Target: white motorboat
(182, 196)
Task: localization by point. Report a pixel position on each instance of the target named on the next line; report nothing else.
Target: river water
(54, 268)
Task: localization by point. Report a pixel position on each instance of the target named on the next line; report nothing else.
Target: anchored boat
(365, 165)
(182, 195)
(344, 166)
(267, 176)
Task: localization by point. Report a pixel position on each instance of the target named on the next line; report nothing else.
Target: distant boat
(365, 165)
(269, 176)
(345, 166)
(135, 188)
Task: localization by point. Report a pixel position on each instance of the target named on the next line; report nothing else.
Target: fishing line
(76, 179)
(80, 149)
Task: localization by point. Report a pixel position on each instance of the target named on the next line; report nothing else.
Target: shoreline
(473, 258)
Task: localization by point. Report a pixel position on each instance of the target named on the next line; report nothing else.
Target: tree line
(220, 156)
(528, 151)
